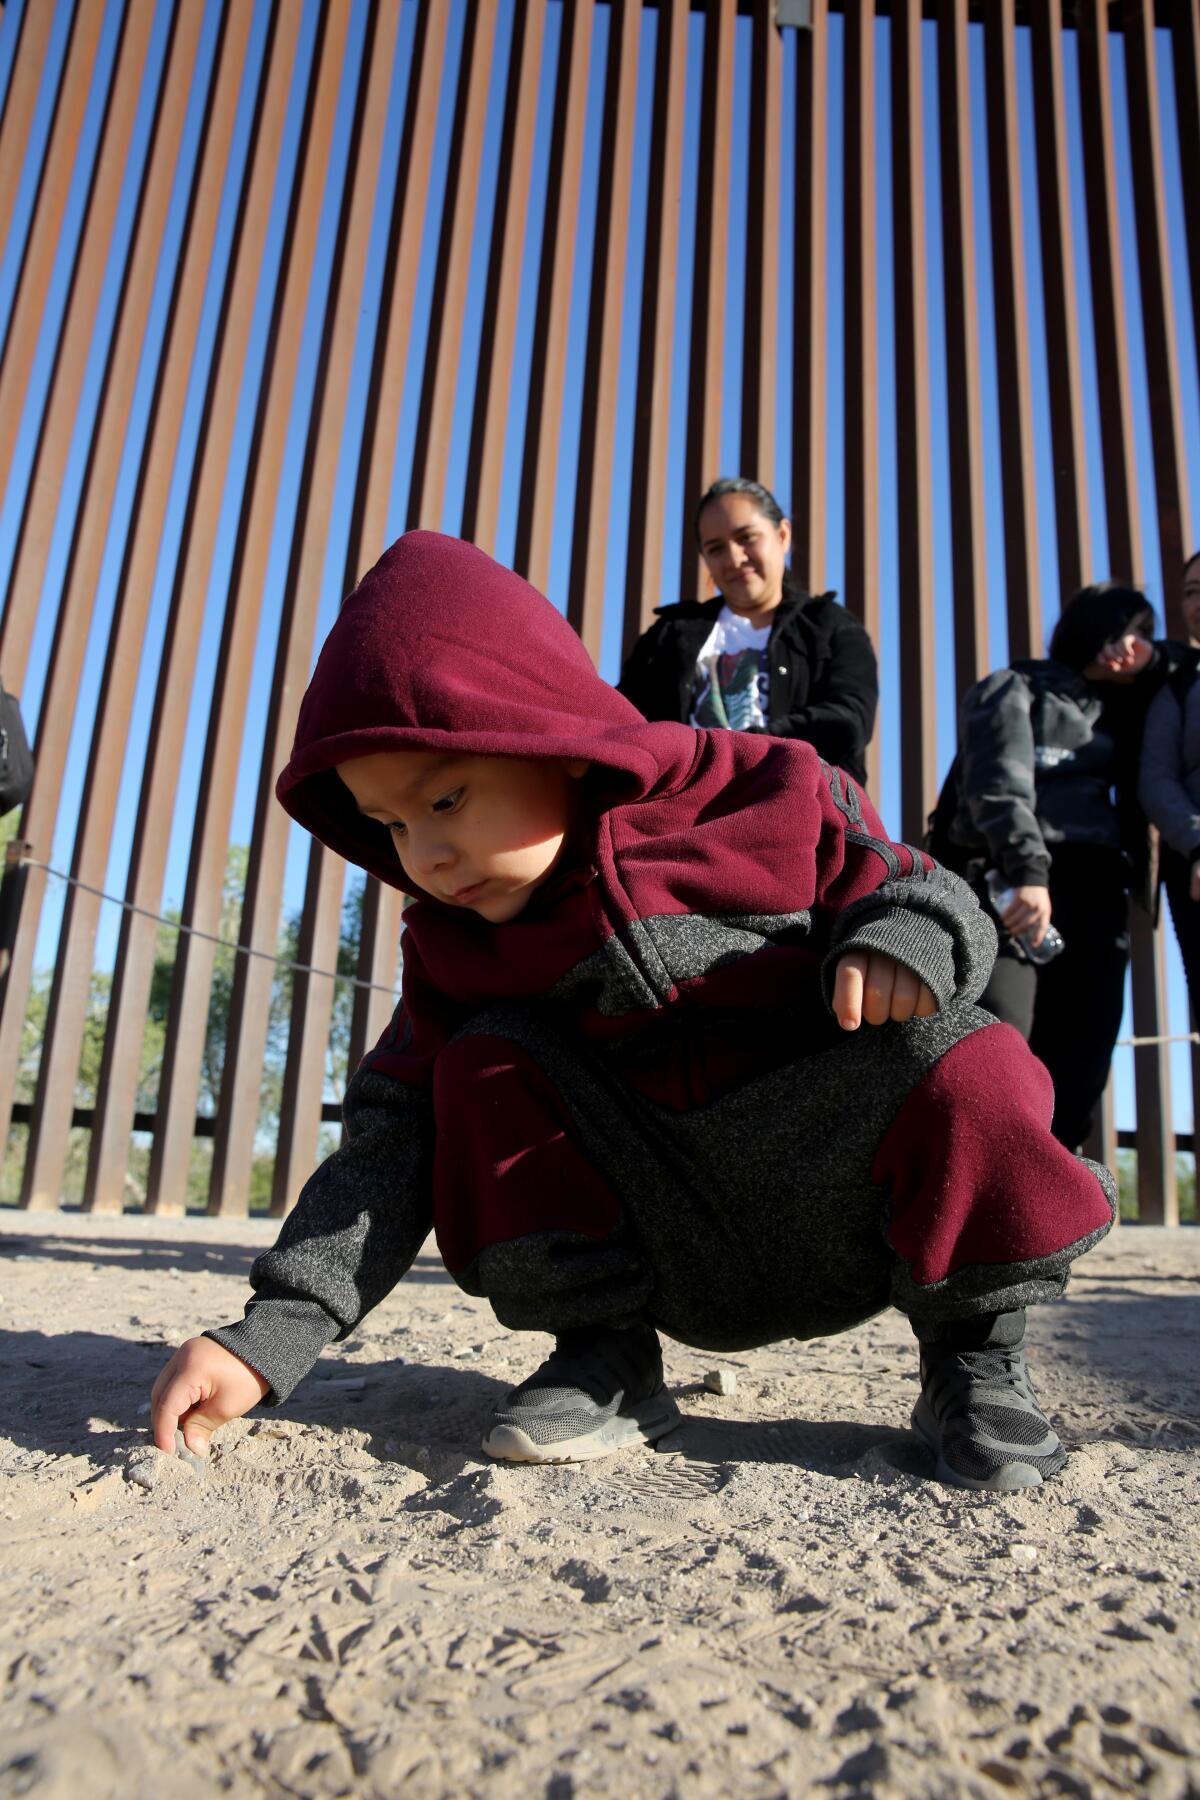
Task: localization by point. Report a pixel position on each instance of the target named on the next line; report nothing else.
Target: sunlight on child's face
(481, 832)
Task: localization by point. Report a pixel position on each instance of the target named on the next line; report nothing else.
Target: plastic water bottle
(1001, 897)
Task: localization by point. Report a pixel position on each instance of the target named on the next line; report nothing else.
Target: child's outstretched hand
(203, 1386)
(876, 988)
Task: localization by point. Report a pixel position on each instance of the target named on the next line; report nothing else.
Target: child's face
(481, 832)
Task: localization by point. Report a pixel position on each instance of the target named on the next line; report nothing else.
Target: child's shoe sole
(642, 1424)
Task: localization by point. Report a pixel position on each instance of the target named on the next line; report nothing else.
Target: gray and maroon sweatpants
(909, 1165)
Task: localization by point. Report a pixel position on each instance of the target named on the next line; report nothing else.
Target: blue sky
(12, 502)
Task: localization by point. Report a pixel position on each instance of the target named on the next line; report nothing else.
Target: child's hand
(203, 1386)
(876, 988)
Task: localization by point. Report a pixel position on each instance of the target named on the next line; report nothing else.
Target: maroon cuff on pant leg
(507, 1164)
(975, 1176)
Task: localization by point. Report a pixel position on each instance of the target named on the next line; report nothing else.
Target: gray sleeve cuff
(281, 1338)
(930, 922)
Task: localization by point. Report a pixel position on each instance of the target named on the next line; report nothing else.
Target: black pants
(1070, 1009)
(1185, 916)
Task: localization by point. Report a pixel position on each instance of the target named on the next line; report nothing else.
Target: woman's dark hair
(1189, 560)
(1094, 617)
(762, 497)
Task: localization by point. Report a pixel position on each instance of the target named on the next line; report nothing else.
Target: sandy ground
(350, 1600)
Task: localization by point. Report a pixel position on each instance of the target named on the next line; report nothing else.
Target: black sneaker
(596, 1392)
(978, 1412)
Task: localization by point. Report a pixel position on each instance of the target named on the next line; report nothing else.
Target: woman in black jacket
(1047, 808)
(764, 655)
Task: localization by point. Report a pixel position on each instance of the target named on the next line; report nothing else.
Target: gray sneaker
(596, 1392)
(978, 1412)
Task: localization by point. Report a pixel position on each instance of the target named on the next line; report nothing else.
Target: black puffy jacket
(824, 684)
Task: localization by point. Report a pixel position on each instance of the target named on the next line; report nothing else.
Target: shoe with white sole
(598, 1391)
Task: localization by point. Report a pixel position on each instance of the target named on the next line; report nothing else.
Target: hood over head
(440, 648)
(1094, 617)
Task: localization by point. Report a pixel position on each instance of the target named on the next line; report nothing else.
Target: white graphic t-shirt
(731, 681)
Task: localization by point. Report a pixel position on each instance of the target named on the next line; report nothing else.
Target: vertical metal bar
(1108, 294)
(810, 282)
(652, 407)
(914, 491)
(380, 936)
(250, 1004)
(1156, 1168)
(1017, 464)
(50, 1123)
(25, 888)
(706, 372)
(36, 531)
(1185, 45)
(760, 363)
(435, 420)
(308, 1034)
(1158, 1197)
(21, 105)
(179, 1083)
(964, 404)
(41, 251)
(861, 373)
(602, 366)
(403, 268)
(493, 390)
(1158, 314)
(134, 968)
(1061, 303)
(535, 514)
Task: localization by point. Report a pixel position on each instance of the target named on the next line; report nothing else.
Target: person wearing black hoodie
(686, 1043)
(1046, 782)
(764, 656)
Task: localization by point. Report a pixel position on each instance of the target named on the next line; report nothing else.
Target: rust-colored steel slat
(602, 363)
(1158, 313)
(1017, 460)
(1108, 294)
(41, 251)
(20, 106)
(1060, 301)
(179, 1083)
(308, 1033)
(494, 381)
(134, 966)
(37, 527)
(25, 887)
(379, 943)
(376, 968)
(810, 281)
(1158, 1198)
(914, 486)
(964, 402)
(861, 374)
(548, 364)
(51, 1119)
(250, 1004)
(656, 345)
(403, 268)
(760, 365)
(443, 353)
(104, 1189)
(1185, 46)
(707, 367)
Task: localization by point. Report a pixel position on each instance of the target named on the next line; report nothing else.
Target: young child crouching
(628, 1083)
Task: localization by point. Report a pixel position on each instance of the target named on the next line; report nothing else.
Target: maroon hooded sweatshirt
(688, 935)
(440, 648)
